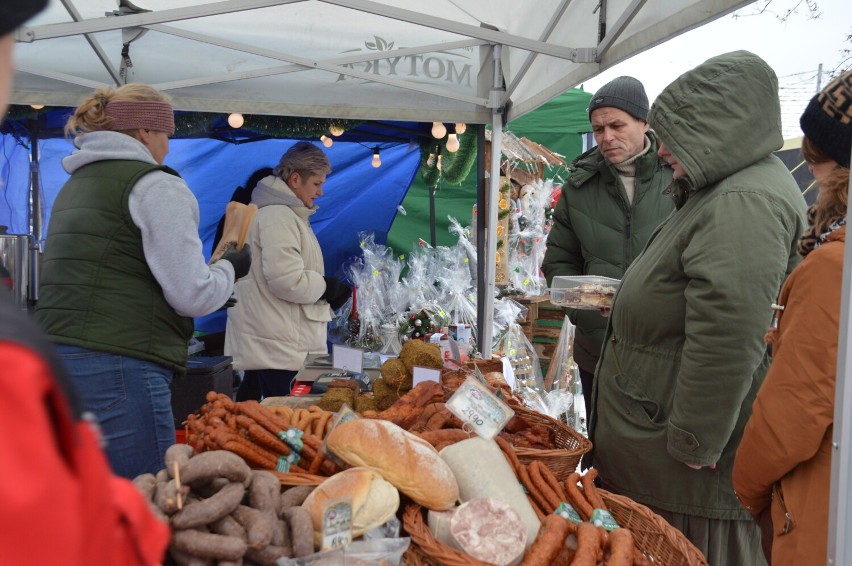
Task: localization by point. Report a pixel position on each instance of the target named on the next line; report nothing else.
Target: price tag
(350, 359)
(603, 518)
(477, 407)
(421, 374)
(337, 524)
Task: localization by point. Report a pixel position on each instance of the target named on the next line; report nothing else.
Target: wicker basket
(571, 445)
(654, 537)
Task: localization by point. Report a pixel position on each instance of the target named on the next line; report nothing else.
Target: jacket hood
(273, 190)
(720, 117)
(102, 146)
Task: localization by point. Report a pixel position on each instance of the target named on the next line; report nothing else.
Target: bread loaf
(374, 500)
(405, 460)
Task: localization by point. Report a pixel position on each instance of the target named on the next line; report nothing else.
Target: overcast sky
(794, 48)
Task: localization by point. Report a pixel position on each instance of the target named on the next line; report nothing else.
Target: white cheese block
(481, 470)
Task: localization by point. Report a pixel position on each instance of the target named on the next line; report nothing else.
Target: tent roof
(356, 59)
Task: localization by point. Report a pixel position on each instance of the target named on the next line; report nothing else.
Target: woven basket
(570, 445)
(653, 535)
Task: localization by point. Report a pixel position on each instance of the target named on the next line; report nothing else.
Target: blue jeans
(133, 405)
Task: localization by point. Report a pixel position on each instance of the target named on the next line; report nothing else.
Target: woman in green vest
(124, 272)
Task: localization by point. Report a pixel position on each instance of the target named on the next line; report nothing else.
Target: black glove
(336, 293)
(232, 300)
(240, 259)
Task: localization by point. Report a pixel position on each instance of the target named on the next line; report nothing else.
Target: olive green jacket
(96, 289)
(597, 231)
(684, 353)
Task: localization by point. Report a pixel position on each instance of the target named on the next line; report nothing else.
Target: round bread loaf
(374, 500)
(405, 460)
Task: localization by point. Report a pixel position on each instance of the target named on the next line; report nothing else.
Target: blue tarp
(357, 196)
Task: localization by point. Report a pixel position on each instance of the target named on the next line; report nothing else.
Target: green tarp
(558, 125)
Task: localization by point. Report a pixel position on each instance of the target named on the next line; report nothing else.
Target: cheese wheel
(481, 470)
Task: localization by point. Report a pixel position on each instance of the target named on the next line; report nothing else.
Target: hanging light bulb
(431, 160)
(326, 141)
(438, 130)
(236, 120)
(452, 143)
(461, 127)
(440, 158)
(377, 160)
(336, 130)
(36, 106)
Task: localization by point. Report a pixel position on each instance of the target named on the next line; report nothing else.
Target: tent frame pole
(35, 216)
(840, 499)
(485, 286)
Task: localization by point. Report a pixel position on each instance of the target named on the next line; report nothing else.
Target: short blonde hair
(91, 115)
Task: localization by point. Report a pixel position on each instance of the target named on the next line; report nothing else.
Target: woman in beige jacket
(285, 302)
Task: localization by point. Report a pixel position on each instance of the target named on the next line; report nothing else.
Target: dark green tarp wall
(557, 125)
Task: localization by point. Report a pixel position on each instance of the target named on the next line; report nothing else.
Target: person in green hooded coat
(684, 351)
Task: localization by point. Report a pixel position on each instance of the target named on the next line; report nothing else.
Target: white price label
(477, 407)
(337, 524)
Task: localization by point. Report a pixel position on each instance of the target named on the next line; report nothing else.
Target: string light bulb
(439, 130)
(377, 160)
(440, 159)
(452, 142)
(36, 106)
(326, 141)
(336, 130)
(431, 160)
(461, 127)
(236, 120)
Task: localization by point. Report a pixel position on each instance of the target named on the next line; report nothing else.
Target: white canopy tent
(473, 61)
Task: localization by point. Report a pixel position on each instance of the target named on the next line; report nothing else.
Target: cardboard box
(204, 373)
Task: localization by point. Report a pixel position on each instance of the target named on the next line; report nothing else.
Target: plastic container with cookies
(589, 292)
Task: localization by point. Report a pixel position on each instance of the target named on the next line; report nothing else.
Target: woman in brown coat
(784, 460)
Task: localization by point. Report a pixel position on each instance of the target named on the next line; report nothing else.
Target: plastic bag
(562, 382)
(381, 551)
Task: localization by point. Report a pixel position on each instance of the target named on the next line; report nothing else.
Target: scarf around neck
(811, 240)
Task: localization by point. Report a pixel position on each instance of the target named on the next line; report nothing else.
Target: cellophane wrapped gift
(458, 291)
(528, 239)
(506, 313)
(562, 381)
(380, 297)
(529, 384)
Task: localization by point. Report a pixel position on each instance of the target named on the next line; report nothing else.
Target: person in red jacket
(61, 504)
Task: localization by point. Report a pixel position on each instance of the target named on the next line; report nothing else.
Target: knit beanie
(827, 120)
(13, 13)
(624, 93)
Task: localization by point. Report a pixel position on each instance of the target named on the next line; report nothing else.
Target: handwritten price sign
(480, 409)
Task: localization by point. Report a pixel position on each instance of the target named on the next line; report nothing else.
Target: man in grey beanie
(611, 202)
